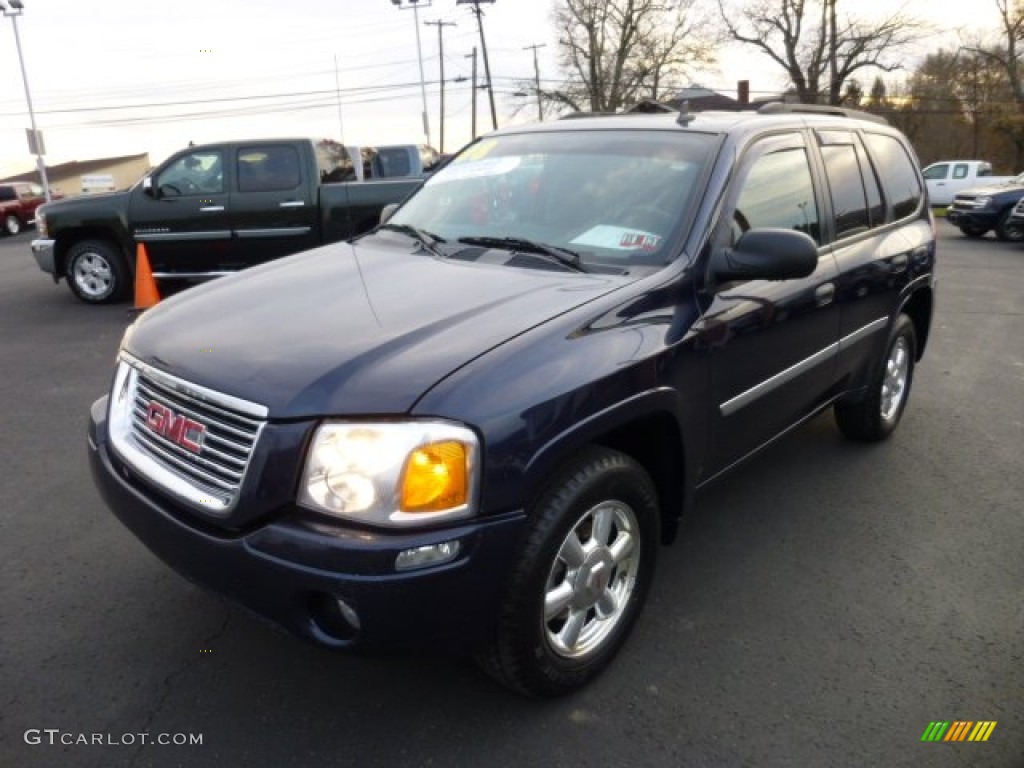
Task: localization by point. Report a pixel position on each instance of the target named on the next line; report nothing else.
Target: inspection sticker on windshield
(618, 238)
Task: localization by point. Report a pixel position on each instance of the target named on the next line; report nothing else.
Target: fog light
(432, 554)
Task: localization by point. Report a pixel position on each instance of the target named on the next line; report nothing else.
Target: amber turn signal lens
(436, 478)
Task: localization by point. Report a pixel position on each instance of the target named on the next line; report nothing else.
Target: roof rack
(780, 108)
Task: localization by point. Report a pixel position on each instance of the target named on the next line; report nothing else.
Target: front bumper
(43, 250)
(981, 219)
(292, 570)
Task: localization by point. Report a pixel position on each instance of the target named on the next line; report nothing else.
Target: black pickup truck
(477, 424)
(214, 209)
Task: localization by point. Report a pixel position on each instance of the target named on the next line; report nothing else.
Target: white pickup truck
(947, 177)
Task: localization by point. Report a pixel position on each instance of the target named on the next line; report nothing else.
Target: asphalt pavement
(822, 606)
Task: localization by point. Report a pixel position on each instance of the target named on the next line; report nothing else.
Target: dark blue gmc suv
(478, 424)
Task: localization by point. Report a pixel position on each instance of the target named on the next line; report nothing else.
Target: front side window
(937, 172)
(778, 192)
(615, 197)
(196, 173)
(268, 169)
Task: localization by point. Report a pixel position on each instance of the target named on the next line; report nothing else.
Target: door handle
(212, 208)
(824, 294)
(292, 204)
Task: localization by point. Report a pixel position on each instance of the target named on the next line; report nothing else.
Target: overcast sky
(120, 77)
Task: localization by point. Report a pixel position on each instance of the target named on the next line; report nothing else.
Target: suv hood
(350, 330)
(991, 189)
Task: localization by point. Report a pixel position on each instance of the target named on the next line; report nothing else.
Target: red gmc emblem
(178, 428)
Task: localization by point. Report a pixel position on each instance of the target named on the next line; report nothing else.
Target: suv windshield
(614, 197)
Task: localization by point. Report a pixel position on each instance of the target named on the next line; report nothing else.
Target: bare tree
(819, 49)
(1006, 54)
(616, 52)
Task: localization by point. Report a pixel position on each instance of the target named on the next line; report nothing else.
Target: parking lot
(821, 607)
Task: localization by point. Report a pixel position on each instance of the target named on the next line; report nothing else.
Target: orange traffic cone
(146, 294)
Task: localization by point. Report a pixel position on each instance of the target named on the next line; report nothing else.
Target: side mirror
(148, 188)
(387, 212)
(766, 254)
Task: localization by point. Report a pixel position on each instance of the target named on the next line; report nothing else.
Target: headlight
(41, 223)
(982, 202)
(396, 474)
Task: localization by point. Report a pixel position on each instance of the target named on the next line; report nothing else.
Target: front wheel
(581, 578)
(973, 230)
(96, 272)
(12, 224)
(874, 417)
(1008, 230)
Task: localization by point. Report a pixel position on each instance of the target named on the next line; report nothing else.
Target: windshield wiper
(427, 240)
(564, 256)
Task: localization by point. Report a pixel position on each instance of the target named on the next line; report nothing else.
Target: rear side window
(268, 169)
(960, 171)
(899, 179)
(856, 199)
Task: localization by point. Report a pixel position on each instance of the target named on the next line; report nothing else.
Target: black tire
(875, 416)
(1007, 231)
(602, 501)
(96, 272)
(12, 224)
(973, 231)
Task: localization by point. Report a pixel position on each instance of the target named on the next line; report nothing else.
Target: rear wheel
(1008, 230)
(12, 224)
(581, 578)
(96, 272)
(874, 417)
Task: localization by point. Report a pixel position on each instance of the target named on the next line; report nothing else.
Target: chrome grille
(210, 477)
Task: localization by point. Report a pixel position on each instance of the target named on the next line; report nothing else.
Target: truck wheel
(96, 272)
(12, 224)
(1009, 231)
(581, 579)
(874, 417)
(973, 230)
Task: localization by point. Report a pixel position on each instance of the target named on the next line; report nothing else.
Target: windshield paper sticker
(618, 238)
(475, 169)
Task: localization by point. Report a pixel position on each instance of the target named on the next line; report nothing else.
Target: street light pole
(17, 8)
(414, 4)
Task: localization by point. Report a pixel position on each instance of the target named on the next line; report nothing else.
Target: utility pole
(483, 46)
(414, 4)
(536, 78)
(473, 56)
(440, 55)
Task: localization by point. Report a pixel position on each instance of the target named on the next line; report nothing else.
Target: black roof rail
(782, 108)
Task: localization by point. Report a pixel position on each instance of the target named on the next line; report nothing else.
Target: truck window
(273, 168)
(902, 188)
(195, 173)
(937, 172)
(7, 193)
(960, 171)
(391, 162)
(333, 161)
